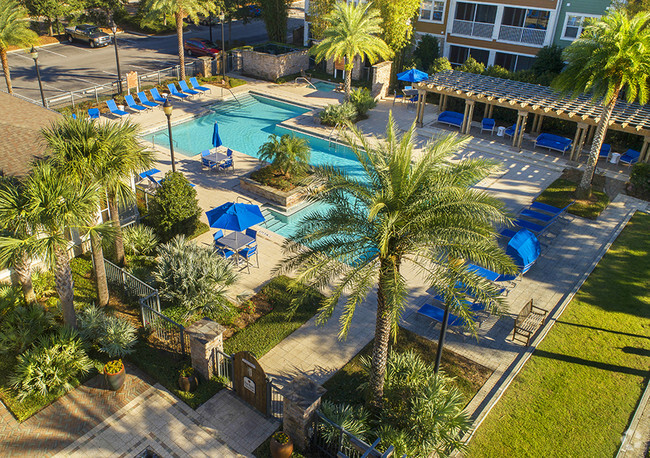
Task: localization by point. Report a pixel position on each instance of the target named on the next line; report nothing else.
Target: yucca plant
(114, 336)
(140, 240)
(355, 420)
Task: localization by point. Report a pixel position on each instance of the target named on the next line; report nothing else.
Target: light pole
(167, 108)
(117, 58)
(210, 24)
(34, 55)
(222, 18)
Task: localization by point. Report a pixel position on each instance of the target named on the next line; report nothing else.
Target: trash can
(615, 157)
(501, 131)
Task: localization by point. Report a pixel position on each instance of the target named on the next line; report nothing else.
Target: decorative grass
(577, 393)
(562, 191)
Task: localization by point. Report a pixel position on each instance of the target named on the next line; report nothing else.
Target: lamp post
(222, 17)
(210, 24)
(167, 109)
(34, 55)
(117, 58)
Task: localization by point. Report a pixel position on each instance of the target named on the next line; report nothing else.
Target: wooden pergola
(534, 99)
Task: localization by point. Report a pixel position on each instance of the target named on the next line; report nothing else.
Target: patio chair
(630, 157)
(186, 89)
(510, 131)
(132, 105)
(155, 95)
(112, 107)
(229, 152)
(247, 253)
(605, 151)
(93, 113)
(217, 235)
(399, 97)
(74, 116)
(173, 91)
(253, 234)
(207, 162)
(437, 314)
(197, 87)
(225, 165)
(488, 124)
(145, 101)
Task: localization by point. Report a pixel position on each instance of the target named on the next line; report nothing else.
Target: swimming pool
(245, 127)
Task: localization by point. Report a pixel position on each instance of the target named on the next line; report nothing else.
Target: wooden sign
(132, 81)
(249, 380)
(339, 64)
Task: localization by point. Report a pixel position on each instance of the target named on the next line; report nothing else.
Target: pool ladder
(153, 140)
(334, 135)
(304, 78)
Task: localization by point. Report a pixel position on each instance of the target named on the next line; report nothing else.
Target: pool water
(324, 86)
(245, 128)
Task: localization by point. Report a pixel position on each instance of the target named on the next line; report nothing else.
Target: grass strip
(562, 192)
(578, 392)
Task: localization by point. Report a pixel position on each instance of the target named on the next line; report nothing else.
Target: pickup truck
(89, 33)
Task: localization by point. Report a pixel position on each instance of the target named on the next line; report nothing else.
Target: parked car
(90, 34)
(201, 47)
(250, 10)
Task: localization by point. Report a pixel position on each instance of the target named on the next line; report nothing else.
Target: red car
(200, 47)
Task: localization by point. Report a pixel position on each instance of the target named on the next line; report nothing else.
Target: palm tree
(352, 31)
(96, 232)
(288, 154)
(403, 209)
(55, 204)
(108, 153)
(181, 9)
(612, 55)
(14, 31)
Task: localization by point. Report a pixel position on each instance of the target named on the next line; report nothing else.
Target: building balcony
(522, 35)
(472, 29)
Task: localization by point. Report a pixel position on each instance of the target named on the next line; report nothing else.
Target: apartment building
(502, 32)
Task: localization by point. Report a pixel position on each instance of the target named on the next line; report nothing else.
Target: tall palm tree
(288, 154)
(181, 9)
(55, 204)
(353, 31)
(14, 31)
(611, 56)
(108, 153)
(402, 209)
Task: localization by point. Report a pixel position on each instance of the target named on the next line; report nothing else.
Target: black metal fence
(274, 400)
(170, 334)
(131, 286)
(222, 366)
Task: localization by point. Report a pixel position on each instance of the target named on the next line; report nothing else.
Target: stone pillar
(381, 79)
(205, 337)
(302, 398)
(205, 66)
(470, 115)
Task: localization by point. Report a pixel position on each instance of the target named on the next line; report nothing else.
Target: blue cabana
(524, 249)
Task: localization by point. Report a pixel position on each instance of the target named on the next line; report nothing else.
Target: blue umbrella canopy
(234, 216)
(216, 140)
(412, 76)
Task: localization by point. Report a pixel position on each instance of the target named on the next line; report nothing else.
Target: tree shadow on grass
(598, 365)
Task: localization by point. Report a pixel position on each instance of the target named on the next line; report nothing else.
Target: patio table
(235, 241)
(216, 156)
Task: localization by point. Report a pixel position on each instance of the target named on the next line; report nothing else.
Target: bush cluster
(362, 101)
(338, 114)
(22, 326)
(174, 208)
(139, 240)
(111, 335)
(640, 180)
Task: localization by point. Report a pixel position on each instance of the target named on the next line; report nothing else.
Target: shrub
(338, 114)
(471, 65)
(426, 51)
(10, 298)
(439, 65)
(355, 420)
(549, 59)
(288, 154)
(139, 240)
(640, 180)
(113, 336)
(362, 100)
(193, 276)
(43, 282)
(498, 72)
(174, 208)
(22, 326)
(52, 366)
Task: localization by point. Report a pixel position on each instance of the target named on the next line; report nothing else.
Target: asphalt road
(68, 67)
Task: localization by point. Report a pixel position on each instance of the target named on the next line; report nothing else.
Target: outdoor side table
(615, 157)
(501, 131)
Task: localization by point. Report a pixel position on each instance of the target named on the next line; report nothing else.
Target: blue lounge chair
(437, 314)
(74, 116)
(132, 105)
(173, 91)
(93, 113)
(197, 87)
(207, 162)
(155, 95)
(510, 131)
(145, 101)
(186, 89)
(544, 212)
(488, 124)
(630, 157)
(112, 107)
(144, 175)
(247, 253)
(229, 152)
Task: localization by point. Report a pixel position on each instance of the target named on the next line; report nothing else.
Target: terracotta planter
(279, 450)
(188, 384)
(115, 381)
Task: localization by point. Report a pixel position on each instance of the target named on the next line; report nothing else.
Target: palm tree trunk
(349, 65)
(179, 34)
(119, 240)
(5, 69)
(23, 270)
(100, 269)
(584, 188)
(64, 286)
(379, 350)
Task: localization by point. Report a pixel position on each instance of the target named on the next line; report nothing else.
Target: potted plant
(187, 380)
(281, 445)
(115, 374)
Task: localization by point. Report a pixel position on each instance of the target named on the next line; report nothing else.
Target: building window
(574, 24)
(432, 11)
(473, 12)
(513, 62)
(459, 54)
(522, 17)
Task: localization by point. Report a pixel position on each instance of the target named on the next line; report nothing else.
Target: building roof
(534, 98)
(20, 125)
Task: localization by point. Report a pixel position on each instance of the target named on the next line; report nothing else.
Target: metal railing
(304, 78)
(131, 286)
(170, 333)
(472, 29)
(222, 366)
(274, 400)
(526, 35)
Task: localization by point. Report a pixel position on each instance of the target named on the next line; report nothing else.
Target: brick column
(205, 66)
(205, 336)
(302, 397)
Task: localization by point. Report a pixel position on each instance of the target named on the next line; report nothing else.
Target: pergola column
(578, 141)
(443, 107)
(537, 123)
(523, 115)
(422, 100)
(591, 133)
(491, 110)
(645, 149)
(469, 114)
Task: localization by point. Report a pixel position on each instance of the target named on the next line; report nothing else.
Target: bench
(553, 142)
(451, 118)
(529, 320)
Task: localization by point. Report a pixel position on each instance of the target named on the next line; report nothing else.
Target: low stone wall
(281, 198)
(271, 67)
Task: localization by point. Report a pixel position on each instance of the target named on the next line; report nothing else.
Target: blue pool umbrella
(412, 76)
(234, 216)
(216, 140)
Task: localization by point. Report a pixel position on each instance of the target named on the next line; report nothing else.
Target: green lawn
(578, 392)
(561, 192)
(470, 376)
